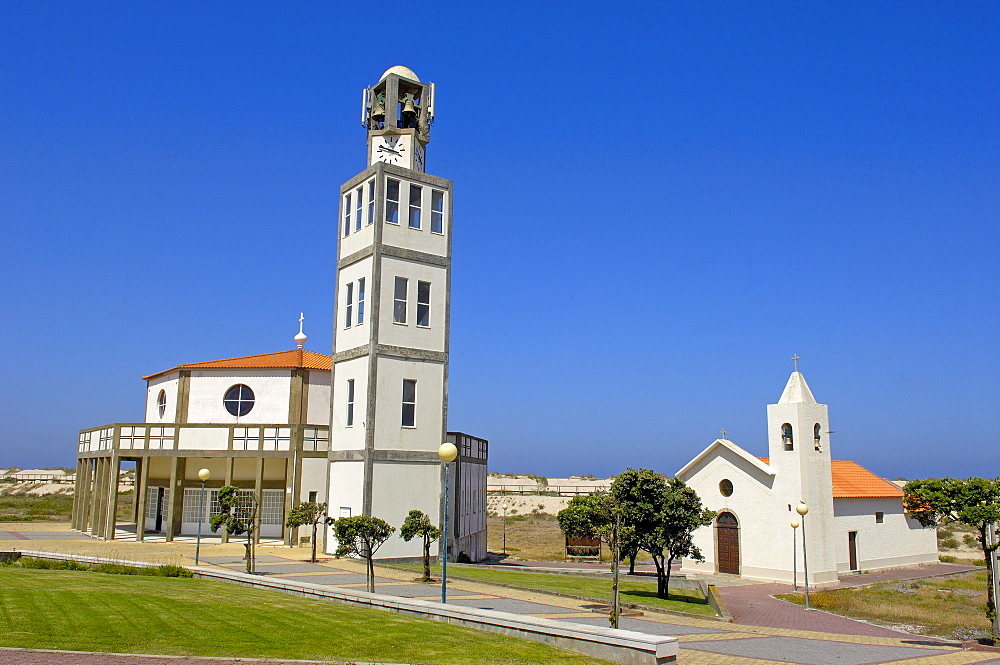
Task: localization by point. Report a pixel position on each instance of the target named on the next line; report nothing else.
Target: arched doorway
(727, 538)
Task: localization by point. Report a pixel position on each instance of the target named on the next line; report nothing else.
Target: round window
(161, 403)
(238, 400)
(726, 487)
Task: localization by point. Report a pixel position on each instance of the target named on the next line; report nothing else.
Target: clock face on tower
(391, 150)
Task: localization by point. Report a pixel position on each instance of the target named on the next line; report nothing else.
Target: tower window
(786, 437)
(817, 437)
(424, 304)
(879, 518)
(349, 305)
(161, 403)
(416, 194)
(392, 201)
(359, 206)
(347, 214)
(350, 402)
(399, 301)
(238, 400)
(361, 301)
(437, 211)
(312, 496)
(409, 402)
(371, 201)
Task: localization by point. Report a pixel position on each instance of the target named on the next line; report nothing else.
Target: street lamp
(795, 579)
(802, 509)
(204, 474)
(447, 452)
(504, 506)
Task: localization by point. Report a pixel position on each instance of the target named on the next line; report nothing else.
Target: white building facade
(855, 520)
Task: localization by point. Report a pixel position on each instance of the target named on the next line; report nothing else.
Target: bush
(945, 533)
(949, 544)
(970, 541)
(166, 570)
(946, 558)
(49, 564)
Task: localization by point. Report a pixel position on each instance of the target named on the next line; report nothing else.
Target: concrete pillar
(88, 489)
(111, 519)
(258, 492)
(141, 497)
(223, 534)
(74, 522)
(100, 502)
(174, 513)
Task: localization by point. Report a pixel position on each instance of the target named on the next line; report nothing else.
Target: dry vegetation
(19, 504)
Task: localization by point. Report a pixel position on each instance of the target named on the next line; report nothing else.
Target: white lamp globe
(204, 474)
(447, 451)
(795, 524)
(802, 509)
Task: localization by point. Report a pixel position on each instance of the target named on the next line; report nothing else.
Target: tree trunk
(249, 548)
(660, 576)
(991, 601)
(666, 585)
(631, 563)
(371, 573)
(313, 559)
(615, 558)
(427, 559)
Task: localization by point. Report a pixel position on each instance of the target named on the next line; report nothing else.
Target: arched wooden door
(727, 536)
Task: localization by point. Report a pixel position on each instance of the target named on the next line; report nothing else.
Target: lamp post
(795, 579)
(504, 506)
(802, 509)
(447, 452)
(204, 474)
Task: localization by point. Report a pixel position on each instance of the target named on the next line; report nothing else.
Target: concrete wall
(897, 541)
(428, 430)
(167, 383)
(318, 398)
(271, 390)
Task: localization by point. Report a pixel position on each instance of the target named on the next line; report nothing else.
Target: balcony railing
(204, 437)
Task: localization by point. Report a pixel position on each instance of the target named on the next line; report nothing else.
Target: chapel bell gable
(399, 101)
(797, 426)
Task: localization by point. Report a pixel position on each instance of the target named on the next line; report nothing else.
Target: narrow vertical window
(359, 206)
(392, 201)
(437, 211)
(817, 437)
(347, 215)
(361, 301)
(416, 194)
(399, 301)
(371, 201)
(349, 304)
(161, 403)
(350, 402)
(409, 402)
(423, 304)
(786, 437)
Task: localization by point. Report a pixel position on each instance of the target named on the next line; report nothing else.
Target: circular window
(726, 487)
(161, 403)
(239, 400)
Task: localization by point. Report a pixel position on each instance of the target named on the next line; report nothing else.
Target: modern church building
(359, 429)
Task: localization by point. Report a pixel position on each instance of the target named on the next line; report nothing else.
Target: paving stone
(507, 605)
(643, 626)
(41, 535)
(810, 652)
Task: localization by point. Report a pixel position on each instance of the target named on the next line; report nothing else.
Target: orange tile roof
(293, 359)
(853, 481)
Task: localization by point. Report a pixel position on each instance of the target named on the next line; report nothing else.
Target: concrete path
(767, 630)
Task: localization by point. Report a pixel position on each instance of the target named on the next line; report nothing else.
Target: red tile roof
(853, 481)
(293, 359)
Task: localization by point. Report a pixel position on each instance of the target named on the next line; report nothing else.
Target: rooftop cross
(723, 432)
(301, 338)
(796, 358)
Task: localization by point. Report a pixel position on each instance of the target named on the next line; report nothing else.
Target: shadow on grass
(639, 595)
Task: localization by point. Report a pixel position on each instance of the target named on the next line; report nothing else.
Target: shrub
(970, 541)
(949, 544)
(947, 558)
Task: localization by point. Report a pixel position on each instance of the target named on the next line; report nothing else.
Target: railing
(191, 436)
(545, 490)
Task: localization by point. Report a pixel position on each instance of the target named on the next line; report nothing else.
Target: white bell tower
(798, 447)
(391, 322)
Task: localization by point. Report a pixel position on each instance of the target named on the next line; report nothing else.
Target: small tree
(361, 536)
(308, 512)
(974, 502)
(599, 515)
(679, 514)
(238, 514)
(419, 524)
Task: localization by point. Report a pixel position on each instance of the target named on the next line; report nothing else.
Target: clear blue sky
(656, 206)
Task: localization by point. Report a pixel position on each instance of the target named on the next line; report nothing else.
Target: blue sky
(656, 205)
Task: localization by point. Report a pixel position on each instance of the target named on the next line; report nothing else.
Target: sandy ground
(521, 504)
(37, 489)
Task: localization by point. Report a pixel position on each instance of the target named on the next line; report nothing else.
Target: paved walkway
(769, 631)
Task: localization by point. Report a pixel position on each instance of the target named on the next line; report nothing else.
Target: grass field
(934, 606)
(73, 610)
(641, 591)
(50, 507)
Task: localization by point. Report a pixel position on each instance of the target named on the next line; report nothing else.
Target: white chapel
(854, 521)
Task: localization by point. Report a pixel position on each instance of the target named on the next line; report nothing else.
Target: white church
(359, 429)
(854, 522)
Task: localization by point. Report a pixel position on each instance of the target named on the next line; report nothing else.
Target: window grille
(273, 508)
(151, 497)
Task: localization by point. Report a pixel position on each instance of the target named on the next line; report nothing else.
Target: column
(258, 492)
(77, 495)
(176, 498)
(114, 470)
(141, 498)
(100, 498)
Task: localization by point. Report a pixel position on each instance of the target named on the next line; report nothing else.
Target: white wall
(168, 384)
(421, 240)
(318, 406)
(355, 335)
(343, 437)
(431, 338)
(428, 431)
(898, 541)
(396, 490)
(271, 390)
(345, 490)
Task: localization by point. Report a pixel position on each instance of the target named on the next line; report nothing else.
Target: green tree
(662, 515)
(361, 536)
(419, 524)
(974, 502)
(599, 515)
(239, 513)
(312, 513)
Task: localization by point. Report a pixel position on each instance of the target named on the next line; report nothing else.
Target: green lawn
(641, 591)
(87, 611)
